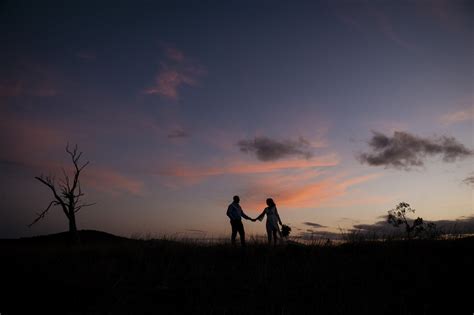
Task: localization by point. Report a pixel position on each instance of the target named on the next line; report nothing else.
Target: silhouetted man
(235, 214)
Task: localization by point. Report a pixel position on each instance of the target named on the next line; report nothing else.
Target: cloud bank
(404, 150)
(267, 149)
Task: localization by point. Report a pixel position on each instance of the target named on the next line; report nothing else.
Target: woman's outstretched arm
(260, 217)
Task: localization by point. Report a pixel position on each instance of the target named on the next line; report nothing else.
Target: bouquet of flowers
(285, 230)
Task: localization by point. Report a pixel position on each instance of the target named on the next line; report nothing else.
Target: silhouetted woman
(273, 229)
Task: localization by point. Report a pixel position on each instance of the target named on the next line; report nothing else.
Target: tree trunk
(74, 235)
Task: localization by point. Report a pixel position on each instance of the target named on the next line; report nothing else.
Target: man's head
(236, 199)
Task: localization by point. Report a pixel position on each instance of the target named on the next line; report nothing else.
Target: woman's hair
(270, 202)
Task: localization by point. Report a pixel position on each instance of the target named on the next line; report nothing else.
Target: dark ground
(112, 275)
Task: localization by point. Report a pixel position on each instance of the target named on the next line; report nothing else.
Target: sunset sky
(338, 110)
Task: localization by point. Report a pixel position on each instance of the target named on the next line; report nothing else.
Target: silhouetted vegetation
(113, 275)
(417, 227)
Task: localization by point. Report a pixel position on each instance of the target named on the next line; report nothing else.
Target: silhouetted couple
(235, 214)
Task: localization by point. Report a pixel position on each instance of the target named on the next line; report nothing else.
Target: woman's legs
(275, 237)
(269, 235)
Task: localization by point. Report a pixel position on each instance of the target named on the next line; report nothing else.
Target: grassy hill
(114, 275)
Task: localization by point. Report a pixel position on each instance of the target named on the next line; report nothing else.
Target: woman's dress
(272, 219)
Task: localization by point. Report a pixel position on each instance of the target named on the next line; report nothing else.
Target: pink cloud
(110, 181)
(176, 71)
(39, 145)
(174, 54)
(459, 116)
(169, 80)
(28, 139)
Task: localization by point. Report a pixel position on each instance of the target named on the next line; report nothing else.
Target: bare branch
(83, 166)
(66, 178)
(78, 157)
(48, 181)
(43, 213)
(84, 205)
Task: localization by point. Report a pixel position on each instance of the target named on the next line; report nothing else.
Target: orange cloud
(356, 198)
(296, 191)
(251, 167)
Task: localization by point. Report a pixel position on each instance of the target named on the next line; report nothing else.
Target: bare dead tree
(67, 192)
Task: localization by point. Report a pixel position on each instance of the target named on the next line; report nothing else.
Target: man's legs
(241, 233)
(234, 231)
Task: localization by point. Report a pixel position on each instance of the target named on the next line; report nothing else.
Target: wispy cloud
(178, 133)
(39, 146)
(174, 54)
(175, 72)
(24, 139)
(469, 180)
(23, 88)
(111, 181)
(386, 26)
(404, 150)
(267, 149)
(29, 79)
(366, 16)
(241, 167)
(459, 116)
(314, 225)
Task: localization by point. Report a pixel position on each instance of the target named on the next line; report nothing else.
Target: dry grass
(163, 276)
